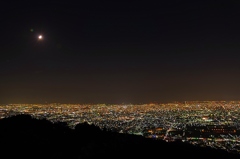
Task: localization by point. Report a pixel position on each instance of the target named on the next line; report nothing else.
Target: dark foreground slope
(25, 137)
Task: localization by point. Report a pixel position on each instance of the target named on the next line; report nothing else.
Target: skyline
(119, 52)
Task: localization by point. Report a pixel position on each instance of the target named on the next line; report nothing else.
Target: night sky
(117, 52)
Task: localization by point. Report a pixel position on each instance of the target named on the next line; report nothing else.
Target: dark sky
(119, 52)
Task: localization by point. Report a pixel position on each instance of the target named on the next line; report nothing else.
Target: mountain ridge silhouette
(27, 137)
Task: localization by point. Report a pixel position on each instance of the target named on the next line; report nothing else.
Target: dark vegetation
(25, 137)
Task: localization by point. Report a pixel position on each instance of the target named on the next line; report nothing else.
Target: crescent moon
(40, 37)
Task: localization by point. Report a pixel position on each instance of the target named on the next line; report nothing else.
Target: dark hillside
(25, 137)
